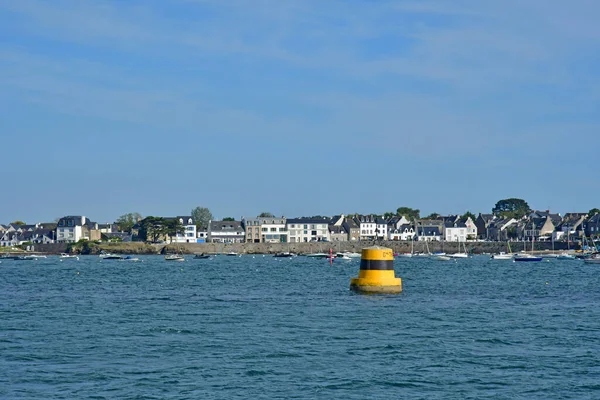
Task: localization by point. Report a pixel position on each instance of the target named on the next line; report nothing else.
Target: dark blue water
(289, 328)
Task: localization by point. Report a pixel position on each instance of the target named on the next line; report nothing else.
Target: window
(265, 229)
(305, 226)
(273, 229)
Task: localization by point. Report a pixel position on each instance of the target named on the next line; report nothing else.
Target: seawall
(299, 248)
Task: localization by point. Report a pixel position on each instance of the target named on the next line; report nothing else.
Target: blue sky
(296, 107)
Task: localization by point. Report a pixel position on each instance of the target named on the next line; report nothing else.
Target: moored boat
(174, 257)
(526, 258)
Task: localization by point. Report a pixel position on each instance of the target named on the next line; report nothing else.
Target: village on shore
(511, 220)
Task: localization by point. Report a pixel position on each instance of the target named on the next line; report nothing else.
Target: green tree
(18, 222)
(266, 215)
(126, 221)
(152, 228)
(228, 219)
(173, 227)
(511, 208)
(388, 215)
(202, 216)
(593, 212)
(433, 216)
(468, 215)
(409, 213)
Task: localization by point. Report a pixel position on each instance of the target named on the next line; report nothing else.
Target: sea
(260, 327)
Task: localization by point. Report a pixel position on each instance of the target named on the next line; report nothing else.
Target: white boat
(174, 257)
(502, 256)
(109, 256)
(460, 254)
(594, 259)
(65, 256)
(342, 256)
(351, 254)
(442, 257)
(566, 256)
(318, 255)
(130, 259)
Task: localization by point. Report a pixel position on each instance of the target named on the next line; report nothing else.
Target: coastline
(297, 248)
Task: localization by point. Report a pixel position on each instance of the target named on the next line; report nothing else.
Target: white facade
(70, 229)
(273, 232)
(307, 231)
(401, 234)
(471, 229)
(189, 231)
(455, 234)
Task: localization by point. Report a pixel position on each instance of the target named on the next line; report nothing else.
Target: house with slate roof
(372, 227)
(537, 229)
(455, 231)
(591, 226)
(226, 232)
(404, 232)
(352, 228)
(188, 233)
(429, 233)
(571, 226)
(71, 229)
(502, 229)
(482, 222)
(337, 233)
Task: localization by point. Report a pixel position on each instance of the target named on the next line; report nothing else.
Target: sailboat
(175, 257)
(502, 255)
(412, 249)
(528, 257)
(460, 254)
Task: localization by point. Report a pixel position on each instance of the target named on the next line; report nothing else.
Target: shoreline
(297, 248)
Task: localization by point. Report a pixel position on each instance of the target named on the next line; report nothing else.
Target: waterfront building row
(536, 226)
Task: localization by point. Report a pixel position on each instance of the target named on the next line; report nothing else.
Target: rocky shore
(298, 248)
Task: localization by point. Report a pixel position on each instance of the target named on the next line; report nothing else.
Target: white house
(455, 232)
(404, 232)
(302, 230)
(226, 232)
(70, 229)
(371, 227)
(188, 234)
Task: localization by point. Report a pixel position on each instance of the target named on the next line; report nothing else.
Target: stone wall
(299, 248)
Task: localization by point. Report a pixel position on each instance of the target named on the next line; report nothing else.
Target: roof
(428, 231)
(350, 223)
(226, 226)
(450, 224)
(308, 220)
(336, 229)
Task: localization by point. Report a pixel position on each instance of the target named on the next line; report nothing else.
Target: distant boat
(566, 256)
(441, 257)
(318, 255)
(527, 258)
(502, 256)
(109, 256)
(174, 257)
(342, 256)
(460, 254)
(65, 256)
(201, 256)
(283, 255)
(232, 254)
(130, 258)
(593, 259)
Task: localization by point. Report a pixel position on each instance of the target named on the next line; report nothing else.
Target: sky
(296, 107)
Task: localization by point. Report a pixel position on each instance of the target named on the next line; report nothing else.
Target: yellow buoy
(376, 272)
